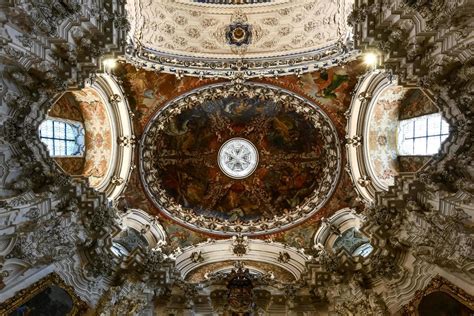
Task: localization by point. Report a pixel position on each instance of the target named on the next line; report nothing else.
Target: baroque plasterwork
(273, 255)
(190, 30)
(103, 110)
(98, 138)
(448, 181)
(381, 140)
(192, 217)
(168, 34)
(359, 161)
(236, 3)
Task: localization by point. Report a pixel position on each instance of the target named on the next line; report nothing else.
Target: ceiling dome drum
(251, 159)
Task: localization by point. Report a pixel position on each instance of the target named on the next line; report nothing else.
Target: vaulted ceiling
(206, 40)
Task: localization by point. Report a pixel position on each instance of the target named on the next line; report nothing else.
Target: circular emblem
(238, 158)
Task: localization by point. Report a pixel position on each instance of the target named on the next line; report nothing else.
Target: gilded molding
(438, 284)
(23, 296)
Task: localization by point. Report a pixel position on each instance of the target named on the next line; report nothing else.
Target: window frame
(429, 133)
(78, 140)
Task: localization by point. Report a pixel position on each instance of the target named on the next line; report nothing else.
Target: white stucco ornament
(238, 158)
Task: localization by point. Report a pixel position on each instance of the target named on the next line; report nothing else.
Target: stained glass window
(63, 138)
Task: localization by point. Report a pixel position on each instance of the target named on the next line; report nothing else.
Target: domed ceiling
(205, 38)
(294, 125)
(250, 159)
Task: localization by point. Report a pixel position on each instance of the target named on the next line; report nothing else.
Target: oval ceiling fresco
(284, 149)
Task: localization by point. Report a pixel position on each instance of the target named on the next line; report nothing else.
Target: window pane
(119, 250)
(420, 127)
(59, 129)
(427, 129)
(49, 145)
(407, 129)
(70, 133)
(443, 138)
(420, 146)
(444, 127)
(72, 148)
(46, 129)
(59, 148)
(406, 147)
(433, 145)
(434, 124)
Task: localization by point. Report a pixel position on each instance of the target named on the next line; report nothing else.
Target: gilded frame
(438, 284)
(23, 296)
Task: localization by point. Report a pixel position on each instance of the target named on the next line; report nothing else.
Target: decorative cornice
(298, 64)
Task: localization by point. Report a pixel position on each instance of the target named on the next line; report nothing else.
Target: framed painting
(439, 298)
(49, 296)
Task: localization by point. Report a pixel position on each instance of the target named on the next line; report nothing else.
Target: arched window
(63, 138)
(422, 136)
